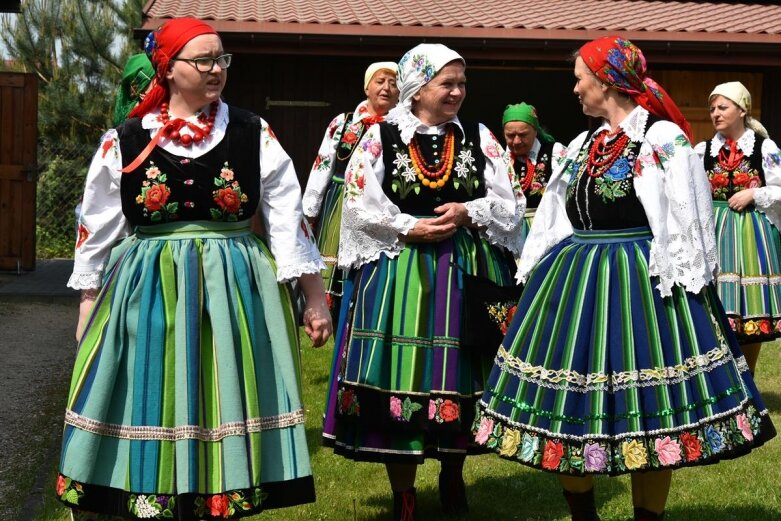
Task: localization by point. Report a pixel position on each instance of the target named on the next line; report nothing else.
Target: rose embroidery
(403, 410)
(443, 410)
(484, 430)
(668, 451)
(595, 457)
(635, 454)
(228, 196)
(551, 456)
(154, 196)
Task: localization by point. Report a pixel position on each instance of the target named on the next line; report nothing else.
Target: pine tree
(77, 48)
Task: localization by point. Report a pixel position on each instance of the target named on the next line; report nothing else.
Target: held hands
(450, 216)
(741, 200)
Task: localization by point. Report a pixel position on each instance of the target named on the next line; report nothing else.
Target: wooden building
(298, 63)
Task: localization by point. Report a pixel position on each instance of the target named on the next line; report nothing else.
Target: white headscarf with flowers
(416, 68)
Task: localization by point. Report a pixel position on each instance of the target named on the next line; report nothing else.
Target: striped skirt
(749, 282)
(327, 234)
(599, 374)
(402, 386)
(185, 399)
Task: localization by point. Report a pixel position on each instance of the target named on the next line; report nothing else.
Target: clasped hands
(450, 216)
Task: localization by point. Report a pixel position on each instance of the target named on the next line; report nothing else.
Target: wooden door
(18, 167)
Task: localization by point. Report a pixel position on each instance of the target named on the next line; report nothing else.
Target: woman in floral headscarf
(532, 152)
(325, 188)
(744, 168)
(620, 358)
(184, 402)
(428, 201)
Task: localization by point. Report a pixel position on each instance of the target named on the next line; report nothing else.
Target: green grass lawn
(746, 489)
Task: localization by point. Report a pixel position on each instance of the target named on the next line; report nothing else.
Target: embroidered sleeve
(551, 224)
(675, 193)
(499, 213)
(101, 222)
(371, 223)
(323, 167)
(289, 235)
(767, 199)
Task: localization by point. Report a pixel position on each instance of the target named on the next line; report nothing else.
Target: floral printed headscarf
(416, 68)
(620, 64)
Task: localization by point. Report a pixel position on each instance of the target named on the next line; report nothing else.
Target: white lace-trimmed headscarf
(416, 68)
(737, 93)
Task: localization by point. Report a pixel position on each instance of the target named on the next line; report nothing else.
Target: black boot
(452, 490)
(582, 505)
(404, 505)
(642, 514)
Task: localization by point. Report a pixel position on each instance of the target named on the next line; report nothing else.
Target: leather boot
(404, 505)
(452, 491)
(582, 505)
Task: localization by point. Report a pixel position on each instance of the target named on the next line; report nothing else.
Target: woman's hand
(88, 297)
(741, 200)
(317, 318)
(430, 229)
(454, 213)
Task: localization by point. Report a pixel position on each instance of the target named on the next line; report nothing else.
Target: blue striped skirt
(185, 398)
(599, 374)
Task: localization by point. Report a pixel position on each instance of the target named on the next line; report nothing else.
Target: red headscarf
(621, 64)
(161, 46)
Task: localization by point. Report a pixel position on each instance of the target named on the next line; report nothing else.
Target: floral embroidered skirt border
(599, 374)
(185, 399)
(749, 282)
(402, 387)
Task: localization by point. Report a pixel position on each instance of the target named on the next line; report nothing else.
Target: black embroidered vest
(402, 185)
(609, 201)
(541, 174)
(221, 185)
(725, 183)
(350, 136)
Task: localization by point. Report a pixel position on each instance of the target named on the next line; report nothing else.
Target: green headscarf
(136, 76)
(527, 114)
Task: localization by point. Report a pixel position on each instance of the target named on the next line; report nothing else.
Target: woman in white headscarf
(428, 203)
(323, 195)
(744, 168)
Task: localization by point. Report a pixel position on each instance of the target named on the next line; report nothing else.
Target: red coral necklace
(602, 154)
(172, 127)
(526, 182)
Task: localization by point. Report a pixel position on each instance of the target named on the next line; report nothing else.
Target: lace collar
(633, 125)
(745, 143)
(409, 125)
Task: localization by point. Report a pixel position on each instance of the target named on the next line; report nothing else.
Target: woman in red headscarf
(185, 399)
(620, 358)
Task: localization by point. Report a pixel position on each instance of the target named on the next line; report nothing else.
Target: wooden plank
(6, 222)
(12, 80)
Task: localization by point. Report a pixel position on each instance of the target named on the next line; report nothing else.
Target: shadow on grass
(772, 400)
(525, 496)
(729, 513)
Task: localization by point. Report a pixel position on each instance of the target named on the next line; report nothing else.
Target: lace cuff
(90, 280)
(497, 224)
(311, 202)
(362, 241)
(680, 263)
(765, 202)
(288, 272)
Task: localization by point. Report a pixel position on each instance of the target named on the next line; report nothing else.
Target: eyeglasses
(206, 63)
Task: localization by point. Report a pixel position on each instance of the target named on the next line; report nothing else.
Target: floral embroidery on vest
(154, 196)
(228, 196)
(742, 177)
(404, 176)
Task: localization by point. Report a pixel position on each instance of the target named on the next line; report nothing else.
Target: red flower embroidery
(359, 182)
(764, 326)
(552, 455)
(60, 485)
(449, 411)
(719, 181)
(347, 399)
(741, 178)
(691, 446)
(106, 146)
(350, 137)
(156, 197)
(228, 200)
(218, 505)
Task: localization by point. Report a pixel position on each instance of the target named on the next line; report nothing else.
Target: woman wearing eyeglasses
(184, 400)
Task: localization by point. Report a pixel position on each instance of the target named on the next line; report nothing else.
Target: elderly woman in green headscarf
(532, 152)
(136, 79)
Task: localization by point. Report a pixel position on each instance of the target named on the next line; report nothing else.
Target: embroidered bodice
(605, 199)
(221, 185)
(405, 189)
(727, 179)
(541, 160)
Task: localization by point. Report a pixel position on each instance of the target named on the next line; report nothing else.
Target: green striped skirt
(403, 385)
(749, 282)
(327, 234)
(600, 374)
(185, 399)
